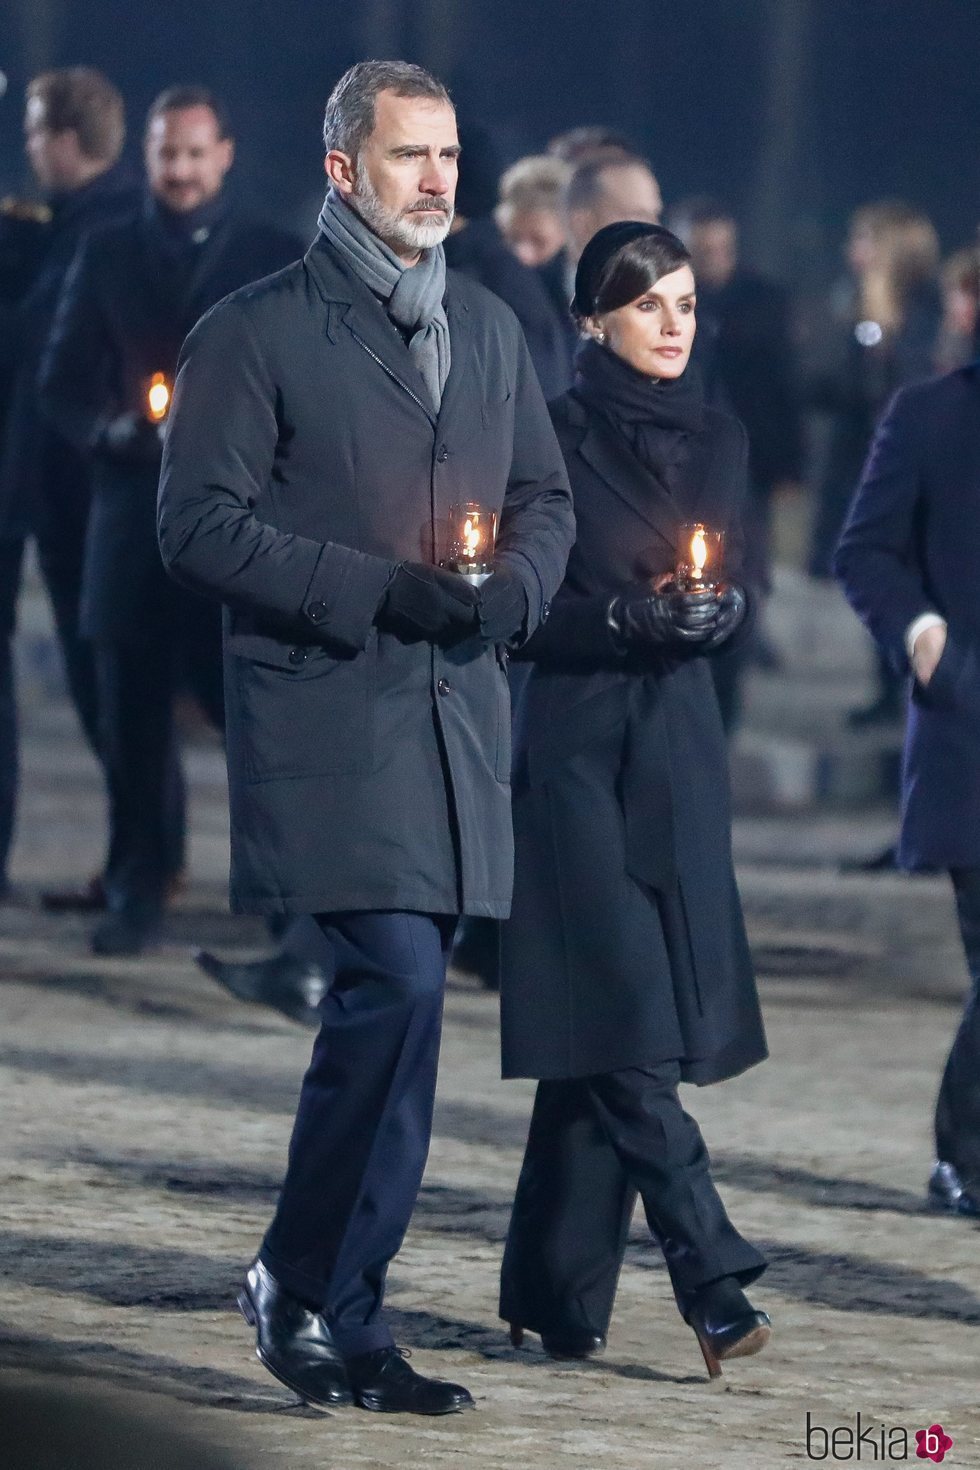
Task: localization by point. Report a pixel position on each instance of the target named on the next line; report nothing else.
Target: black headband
(596, 256)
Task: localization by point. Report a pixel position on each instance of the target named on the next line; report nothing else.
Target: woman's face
(654, 333)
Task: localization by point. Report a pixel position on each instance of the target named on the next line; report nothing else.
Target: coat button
(316, 612)
(444, 686)
(545, 612)
(443, 454)
(297, 655)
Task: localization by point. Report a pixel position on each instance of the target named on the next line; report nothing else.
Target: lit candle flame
(472, 536)
(699, 553)
(158, 398)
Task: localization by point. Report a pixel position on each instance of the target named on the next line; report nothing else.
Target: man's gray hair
(349, 119)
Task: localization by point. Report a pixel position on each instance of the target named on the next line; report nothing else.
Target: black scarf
(656, 417)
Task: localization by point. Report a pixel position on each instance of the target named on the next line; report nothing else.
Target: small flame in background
(158, 398)
(472, 539)
(699, 552)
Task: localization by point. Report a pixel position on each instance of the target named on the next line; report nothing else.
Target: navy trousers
(958, 1104)
(594, 1144)
(362, 1129)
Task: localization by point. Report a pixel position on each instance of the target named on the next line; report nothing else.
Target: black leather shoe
(288, 985)
(567, 1342)
(946, 1192)
(383, 1381)
(726, 1324)
(293, 1342)
(126, 931)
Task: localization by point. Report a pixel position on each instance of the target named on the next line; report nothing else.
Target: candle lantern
(699, 564)
(472, 536)
(158, 398)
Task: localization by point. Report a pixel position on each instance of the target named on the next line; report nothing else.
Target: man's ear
(339, 169)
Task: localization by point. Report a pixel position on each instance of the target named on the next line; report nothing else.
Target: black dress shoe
(726, 1324)
(89, 899)
(383, 1381)
(288, 985)
(946, 1192)
(126, 931)
(567, 1342)
(293, 1342)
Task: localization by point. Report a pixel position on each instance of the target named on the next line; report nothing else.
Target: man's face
(534, 235)
(403, 182)
(629, 191)
(56, 160)
(714, 248)
(186, 159)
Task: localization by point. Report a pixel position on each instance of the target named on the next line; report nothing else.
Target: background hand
(927, 652)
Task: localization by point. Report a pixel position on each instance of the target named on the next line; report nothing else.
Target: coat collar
(355, 308)
(603, 450)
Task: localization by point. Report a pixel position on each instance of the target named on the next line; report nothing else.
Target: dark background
(794, 111)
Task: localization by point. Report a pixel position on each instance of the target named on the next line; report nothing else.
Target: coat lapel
(618, 468)
(454, 396)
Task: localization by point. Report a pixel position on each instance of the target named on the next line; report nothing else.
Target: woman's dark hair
(623, 261)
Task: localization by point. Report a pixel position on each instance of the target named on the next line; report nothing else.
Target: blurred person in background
(477, 248)
(959, 283)
(74, 130)
(909, 561)
(882, 325)
(531, 210)
(131, 296)
(625, 966)
(746, 321)
(578, 144)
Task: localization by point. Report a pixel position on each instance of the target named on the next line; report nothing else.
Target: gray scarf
(412, 294)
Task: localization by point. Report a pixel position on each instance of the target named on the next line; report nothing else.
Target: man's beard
(398, 230)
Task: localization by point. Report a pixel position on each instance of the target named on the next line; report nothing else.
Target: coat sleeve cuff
(343, 594)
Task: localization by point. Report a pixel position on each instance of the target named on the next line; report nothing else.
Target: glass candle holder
(158, 398)
(472, 537)
(699, 566)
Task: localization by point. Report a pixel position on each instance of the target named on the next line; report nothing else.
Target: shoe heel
(246, 1309)
(710, 1361)
(516, 1334)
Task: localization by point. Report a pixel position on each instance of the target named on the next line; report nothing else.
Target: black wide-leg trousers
(958, 1104)
(594, 1144)
(362, 1129)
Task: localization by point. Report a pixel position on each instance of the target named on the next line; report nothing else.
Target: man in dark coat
(325, 424)
(74, 129)
(909, 561)
(132, 295)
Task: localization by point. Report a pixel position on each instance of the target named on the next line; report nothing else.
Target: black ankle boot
(725, 1323)
(293, 1342)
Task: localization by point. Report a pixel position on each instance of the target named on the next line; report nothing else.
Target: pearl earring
(600, 338)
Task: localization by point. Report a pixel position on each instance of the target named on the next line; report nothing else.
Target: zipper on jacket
(393, 376)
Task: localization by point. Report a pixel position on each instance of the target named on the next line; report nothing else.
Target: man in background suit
(909, 561)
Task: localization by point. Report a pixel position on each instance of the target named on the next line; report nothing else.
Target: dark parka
(302, 464)
(120, 320)
(912, 545)
(621, 793)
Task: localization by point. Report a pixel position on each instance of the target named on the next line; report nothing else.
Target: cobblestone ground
(145, 1118)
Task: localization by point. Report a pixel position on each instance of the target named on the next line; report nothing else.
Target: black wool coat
(626, 944)
(912, 545)
(303, 463)
(120, 320)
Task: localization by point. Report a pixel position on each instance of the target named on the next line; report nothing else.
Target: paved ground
(145, 1119)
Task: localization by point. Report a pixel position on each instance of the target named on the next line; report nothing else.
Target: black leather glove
(670, 619)
(423, 601)
(129, 439)
(502, 606)
(732, 607)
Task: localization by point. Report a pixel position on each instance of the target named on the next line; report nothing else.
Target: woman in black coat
(625, 964)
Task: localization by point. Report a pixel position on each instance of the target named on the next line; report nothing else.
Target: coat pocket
(302, 711)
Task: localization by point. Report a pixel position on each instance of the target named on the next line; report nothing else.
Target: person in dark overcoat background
(132, 295)
(909, 562)
(325, 423)
(625, 966)
(74, 129)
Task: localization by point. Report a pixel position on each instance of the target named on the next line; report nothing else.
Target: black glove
(129, 439)
(502, 605)
(423, 601)
(732, 607)
(670, 619)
